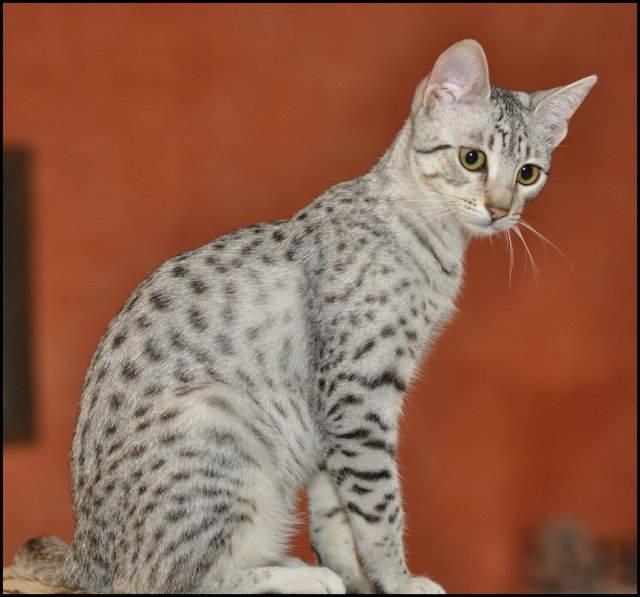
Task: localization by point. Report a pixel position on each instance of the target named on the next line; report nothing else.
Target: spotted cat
(279, 355)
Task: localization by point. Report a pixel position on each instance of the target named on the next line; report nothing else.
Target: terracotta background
(155, 128)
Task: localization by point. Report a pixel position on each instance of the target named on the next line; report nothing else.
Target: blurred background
(151, 129)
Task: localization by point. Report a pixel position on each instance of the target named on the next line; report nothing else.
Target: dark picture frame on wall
(17, 395)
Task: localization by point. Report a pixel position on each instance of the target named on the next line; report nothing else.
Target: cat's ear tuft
(554, 108)
(460, 76)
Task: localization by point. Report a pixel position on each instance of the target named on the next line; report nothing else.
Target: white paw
(320, 580)
(304, 580)
(418, 585)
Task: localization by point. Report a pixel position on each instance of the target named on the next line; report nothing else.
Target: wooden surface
(13, 584)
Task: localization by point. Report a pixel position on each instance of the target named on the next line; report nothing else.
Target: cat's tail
(42, 559)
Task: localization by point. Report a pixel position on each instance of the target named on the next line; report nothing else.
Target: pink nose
(497, 213)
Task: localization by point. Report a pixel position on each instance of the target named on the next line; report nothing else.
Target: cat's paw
(418, 585)
(315, 581)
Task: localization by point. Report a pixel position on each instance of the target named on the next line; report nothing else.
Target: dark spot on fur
(197, 319)
(366, 347)
(115, 447)
(143, 425)
(177, 340)
(411, 335)
(158, 464)
(143, 322)
(130, 370)
(153, 389)
(199, 287)
(168, 415)
(387, 331)
(115, 400)
(159, 301)
(179, 271)
(137, 451)
(152, 351)
(118, 339)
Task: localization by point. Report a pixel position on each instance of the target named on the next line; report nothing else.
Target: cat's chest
(388, 304)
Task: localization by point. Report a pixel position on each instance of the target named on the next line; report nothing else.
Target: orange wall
(155, 128)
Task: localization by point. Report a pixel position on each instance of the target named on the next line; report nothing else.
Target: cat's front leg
(331, 534)
(362, 461)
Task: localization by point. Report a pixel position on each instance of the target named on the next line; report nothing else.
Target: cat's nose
(497, 213)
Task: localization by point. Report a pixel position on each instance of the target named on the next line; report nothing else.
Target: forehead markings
(508, 114)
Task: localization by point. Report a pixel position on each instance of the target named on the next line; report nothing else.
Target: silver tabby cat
(279, 355)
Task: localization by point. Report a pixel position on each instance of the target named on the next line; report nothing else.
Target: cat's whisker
(430, 207)
(432, 215)
(434, 192)
(507, 236)
(438, 216)
(435, 214)
(546, 254)
(456, 225)
(426, 202)
(529, 217)
(458, 216)
(458, 197)
(544, 240)
(536, 271)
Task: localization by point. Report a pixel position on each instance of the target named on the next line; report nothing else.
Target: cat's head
(482, 151)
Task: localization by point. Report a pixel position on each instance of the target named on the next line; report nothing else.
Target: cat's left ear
(460, 76)
(556, 106)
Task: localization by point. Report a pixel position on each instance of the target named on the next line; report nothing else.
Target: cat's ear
(460, 76)
(554, 108)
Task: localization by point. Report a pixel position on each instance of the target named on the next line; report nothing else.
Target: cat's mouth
(480, 225)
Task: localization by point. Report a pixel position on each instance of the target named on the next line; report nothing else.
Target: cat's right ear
(460, 76)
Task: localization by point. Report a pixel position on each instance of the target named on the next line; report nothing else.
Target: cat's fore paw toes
(311, 580)
(418, 585)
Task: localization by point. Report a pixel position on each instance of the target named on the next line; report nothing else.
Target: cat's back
(194, 315)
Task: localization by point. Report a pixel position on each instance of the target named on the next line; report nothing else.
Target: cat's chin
(484, 229)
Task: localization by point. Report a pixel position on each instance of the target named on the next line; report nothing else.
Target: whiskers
(439, 211)
(506, 235)
(430, 212)
(528, 254)
(544, 240)
(434, 210)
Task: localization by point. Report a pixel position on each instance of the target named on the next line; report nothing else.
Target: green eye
(528, 174)
(472, 159)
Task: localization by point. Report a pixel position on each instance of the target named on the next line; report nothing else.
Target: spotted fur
(279, 355)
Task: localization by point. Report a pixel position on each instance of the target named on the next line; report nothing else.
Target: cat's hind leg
(331, 534)
(199, 498)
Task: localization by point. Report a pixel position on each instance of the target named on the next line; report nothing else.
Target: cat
(278, 356)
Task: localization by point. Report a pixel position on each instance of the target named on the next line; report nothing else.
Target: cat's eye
(472, 159)
(528, 174)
